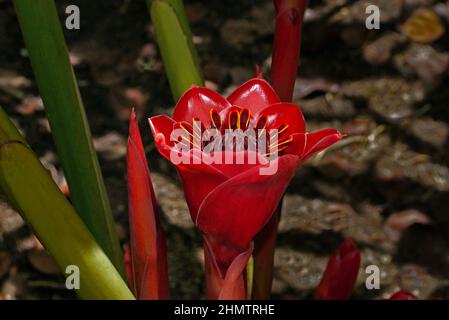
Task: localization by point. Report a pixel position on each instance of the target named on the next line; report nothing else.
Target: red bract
(402, 295)
(148, 245)
(231, 202)
(340, 275)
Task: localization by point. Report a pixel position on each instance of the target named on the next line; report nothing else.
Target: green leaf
(175, 43)
(29, 188)
(55, 78)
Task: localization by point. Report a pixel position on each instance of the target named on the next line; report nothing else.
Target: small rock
(310, 215)
(316, 216)
(391, 98)
(429, 64)
(400, 163)
(30, 105)
(10, 220)
(329, 106)
(171, 200)
(431, 131)
(379, 51)
(13, 83)
(303, 87)
(298, 270)
(112, 146)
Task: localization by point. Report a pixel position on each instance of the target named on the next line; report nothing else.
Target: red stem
(286, 46)
(264, 246)
(285, 60)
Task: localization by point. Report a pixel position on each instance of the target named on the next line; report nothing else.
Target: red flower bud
(340, 275)
(148, 245)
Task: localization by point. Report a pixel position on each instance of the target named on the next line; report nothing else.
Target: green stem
(55, 78)
(29, 187)
(175, 43)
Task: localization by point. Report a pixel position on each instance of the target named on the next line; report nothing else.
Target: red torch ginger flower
(230, 201)
(340, 275)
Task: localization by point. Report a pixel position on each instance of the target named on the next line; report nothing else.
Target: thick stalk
(31, 190)
(175, 44)
(55, 78)
(264, 246)
(286, 46)
(285, 60)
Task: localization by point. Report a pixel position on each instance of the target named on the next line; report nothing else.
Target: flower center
(237, 131)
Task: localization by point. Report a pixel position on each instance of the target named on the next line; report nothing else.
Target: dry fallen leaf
(423, 26)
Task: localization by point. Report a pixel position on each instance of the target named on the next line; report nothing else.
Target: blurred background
(386, 185)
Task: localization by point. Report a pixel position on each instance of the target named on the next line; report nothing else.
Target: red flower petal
(208, 179)
(320, 140)
(162, 127)
(211, 176)
(241, 161)
(341, 273)
(148, 246)
(197, 103)
(235, 211)
(284, 113)
(298, 144)
(254, 95)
